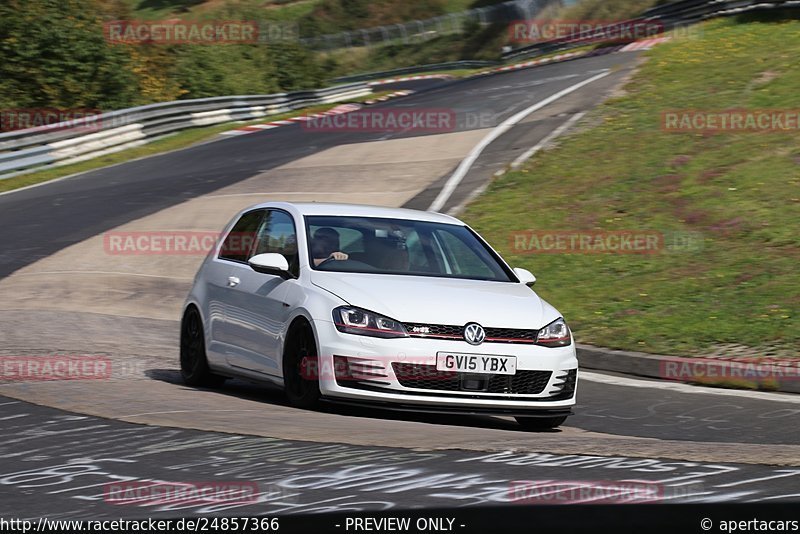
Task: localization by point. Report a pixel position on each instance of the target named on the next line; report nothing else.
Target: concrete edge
(728, 372)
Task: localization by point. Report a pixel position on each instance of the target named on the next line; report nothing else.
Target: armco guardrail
(671, 15)
(30, 149)
(466, 64)
(688, 11)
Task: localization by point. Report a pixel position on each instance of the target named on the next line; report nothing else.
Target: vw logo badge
(474, 334)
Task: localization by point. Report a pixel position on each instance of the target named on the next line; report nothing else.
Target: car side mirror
(274, 264)
(525, 276)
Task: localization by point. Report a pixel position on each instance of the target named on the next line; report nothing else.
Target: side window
(277, 235)
(239, 241)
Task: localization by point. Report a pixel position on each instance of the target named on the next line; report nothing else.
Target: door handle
(233, 281)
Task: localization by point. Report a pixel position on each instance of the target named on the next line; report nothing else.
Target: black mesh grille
(493, 335)
(522, 383)
(511, 335)
(427, 377)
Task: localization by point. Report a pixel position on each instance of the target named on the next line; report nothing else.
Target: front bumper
(453, 410)
(364, 370)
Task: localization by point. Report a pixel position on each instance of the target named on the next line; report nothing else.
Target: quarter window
(239, 241)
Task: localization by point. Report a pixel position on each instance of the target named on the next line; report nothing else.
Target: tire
(299, 357)
(540, 423)
(194, 363)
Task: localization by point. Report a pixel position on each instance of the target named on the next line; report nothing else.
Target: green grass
(279, 10)
(620, 171)
(292, 11)
(176, 141)
(151, 10)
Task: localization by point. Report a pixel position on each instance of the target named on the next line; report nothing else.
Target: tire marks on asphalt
(69, 461)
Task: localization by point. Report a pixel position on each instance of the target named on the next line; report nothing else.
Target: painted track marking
(466, 164)
(687, 388)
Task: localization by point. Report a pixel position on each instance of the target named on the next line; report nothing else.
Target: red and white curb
(645, 44)
(412, 78)
(338, 110)
(534, 62)
(384, 98)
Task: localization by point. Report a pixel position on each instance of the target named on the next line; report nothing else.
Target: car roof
(360, 210)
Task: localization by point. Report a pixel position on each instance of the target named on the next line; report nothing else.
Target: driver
(325, 246)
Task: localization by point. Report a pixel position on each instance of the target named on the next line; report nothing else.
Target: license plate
(476, 363)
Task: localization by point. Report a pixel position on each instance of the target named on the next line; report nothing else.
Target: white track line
(517, 162)
(686, 388)
(544, 142)
(464, 167)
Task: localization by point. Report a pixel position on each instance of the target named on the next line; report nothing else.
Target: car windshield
(398, 246)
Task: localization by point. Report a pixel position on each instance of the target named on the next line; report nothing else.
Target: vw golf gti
(397, 308)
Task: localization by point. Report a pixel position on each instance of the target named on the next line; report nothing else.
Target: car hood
(431, 300)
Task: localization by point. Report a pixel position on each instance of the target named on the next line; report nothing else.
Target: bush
(54, 55)
(205, 71)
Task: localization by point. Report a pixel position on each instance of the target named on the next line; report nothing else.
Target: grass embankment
(621, 171)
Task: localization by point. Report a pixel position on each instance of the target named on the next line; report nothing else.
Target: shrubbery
(53, 54)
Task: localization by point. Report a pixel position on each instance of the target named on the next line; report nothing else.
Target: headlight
(556, 334)
(366, 323)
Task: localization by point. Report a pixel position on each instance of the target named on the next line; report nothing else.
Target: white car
(397, 308)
